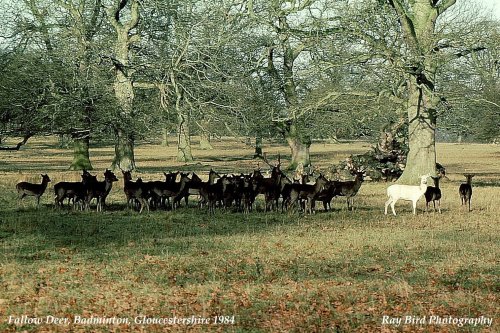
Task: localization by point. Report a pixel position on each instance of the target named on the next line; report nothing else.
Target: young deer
(135, 191)
(307, 192)
(100, 190)
(28, 189)
(406, 192)
(465, 191)
(349, 189)
(433, 193)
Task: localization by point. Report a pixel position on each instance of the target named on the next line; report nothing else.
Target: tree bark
(81, 156)
(258, 147)
(421, 159)
(123, 86)
(205, 141)
(299, 146)
(124, 151)
(164, 141)
(183, 138)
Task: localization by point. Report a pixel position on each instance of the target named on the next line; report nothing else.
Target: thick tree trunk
(124, 26)
(421, 159)
(258, 147)
(183, 138)
(205, 141)
(81, 155)
(124, 152)
(300, 153)
(299, 147)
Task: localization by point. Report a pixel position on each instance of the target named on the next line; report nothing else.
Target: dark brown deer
(135, 191)
(307, 192)
(29, 189)
(269, 187)
(248, 193)
(160, 192)
(327, 194)
(73, 191)
(465, 191)
(350, 188)
(100, 190)
(433, 193)
(204, 188)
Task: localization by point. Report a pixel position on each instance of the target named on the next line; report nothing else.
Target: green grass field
(339, 271)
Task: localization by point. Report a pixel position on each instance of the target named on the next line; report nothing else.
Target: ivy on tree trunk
(81, 156)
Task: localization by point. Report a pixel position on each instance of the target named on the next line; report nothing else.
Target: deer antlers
(264, 157)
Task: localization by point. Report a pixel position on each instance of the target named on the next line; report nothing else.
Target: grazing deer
(433, 193)
(135, 191)
(75, 191)
(28, 189)
(307, 192)
(100, 190)
(350, 188)
(465, 191)
(406, 192)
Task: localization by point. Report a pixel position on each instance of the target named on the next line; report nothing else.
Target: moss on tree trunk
(81, 155)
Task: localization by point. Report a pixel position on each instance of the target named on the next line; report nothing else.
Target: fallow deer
(100, 190)
(135, 191)
(73, 191)
(29, 189)
(307, 192)
(465, 191)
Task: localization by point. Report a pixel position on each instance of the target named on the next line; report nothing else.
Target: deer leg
(414, 203)
(387, 205)
(439, 206)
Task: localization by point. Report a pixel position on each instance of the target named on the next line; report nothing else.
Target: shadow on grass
(33, 230)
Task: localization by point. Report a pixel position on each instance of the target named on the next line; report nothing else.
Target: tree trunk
(299, 147)
(205, 141)
(164, 141)
(124, 152)
(421, 159)
(258, 147)
(81, 156)
(124, 26)
(183, 138)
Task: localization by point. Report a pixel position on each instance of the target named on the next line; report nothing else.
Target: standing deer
(28, 189)
(135, 191)
(307, 192)
(406, 192)
(75, 191)
(100, 190)
(433, 193)
(349, 188)
(465, 191)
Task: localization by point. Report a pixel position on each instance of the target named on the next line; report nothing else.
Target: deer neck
(108, 185)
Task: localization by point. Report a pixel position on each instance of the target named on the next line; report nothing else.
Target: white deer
(406, 192)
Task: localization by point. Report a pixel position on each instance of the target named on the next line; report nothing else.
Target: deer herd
(237, 192)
